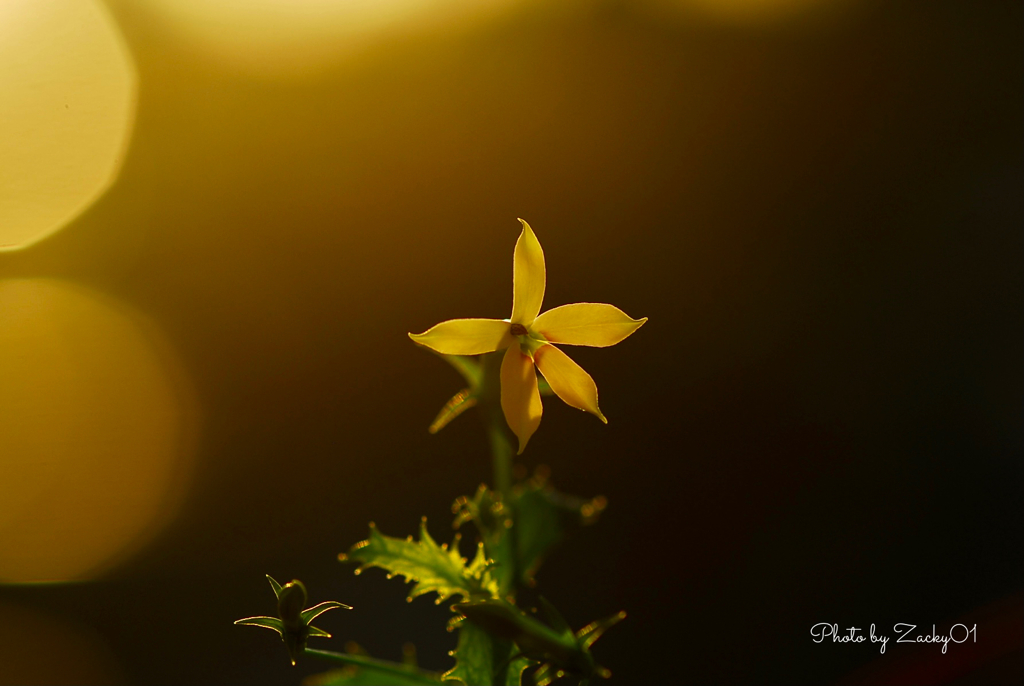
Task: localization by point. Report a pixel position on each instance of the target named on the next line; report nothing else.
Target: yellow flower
(528, 339)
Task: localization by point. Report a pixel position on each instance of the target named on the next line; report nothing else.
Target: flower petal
(528, 277)
(520, 399)
(466, 336)
(568, 380)
(593, 324)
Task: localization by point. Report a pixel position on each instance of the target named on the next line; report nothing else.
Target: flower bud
(290, 602)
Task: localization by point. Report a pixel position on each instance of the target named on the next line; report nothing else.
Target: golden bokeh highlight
(96, 428)
(38, 648)
(67, 103)
(285, 38)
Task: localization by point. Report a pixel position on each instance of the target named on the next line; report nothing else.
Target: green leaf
(554, 617)
(542, 515)
(514, 674)
(459, 403)
(484, 659)
(474, 659)
(545, 674)
(591, 632)
(505, 621)
(480, 566)
(557, 650)
(493, 521)
(430, 567)
(274, 585)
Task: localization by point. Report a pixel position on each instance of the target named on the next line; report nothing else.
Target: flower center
(518, 330)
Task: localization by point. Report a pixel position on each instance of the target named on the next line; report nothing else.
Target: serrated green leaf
(539, 527)
(431, 568)
(480, 565)
(542, 515)
(514, 673)
(492, 520)
(474, 661)
(484, 659)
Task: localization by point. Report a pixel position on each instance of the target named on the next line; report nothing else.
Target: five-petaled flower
(293, 623)
(528, 340)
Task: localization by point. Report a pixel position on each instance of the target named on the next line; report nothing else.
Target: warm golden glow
(67, 99)
(94, 429)
(283, 37)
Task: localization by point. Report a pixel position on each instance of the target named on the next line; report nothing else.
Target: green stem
(406, 672)
(501, 452)
(497, 433)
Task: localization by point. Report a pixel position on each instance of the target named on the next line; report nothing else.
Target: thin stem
(501, 452)
(501, 456)
(497, 433)
(408, 673)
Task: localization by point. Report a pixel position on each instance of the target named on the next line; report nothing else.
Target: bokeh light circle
(286, 38)
(96, 427)
(67, 103)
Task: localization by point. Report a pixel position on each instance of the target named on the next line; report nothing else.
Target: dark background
(820, 422)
